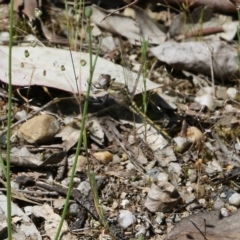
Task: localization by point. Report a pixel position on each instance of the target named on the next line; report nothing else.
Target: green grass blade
(8, 173)
(85, 110)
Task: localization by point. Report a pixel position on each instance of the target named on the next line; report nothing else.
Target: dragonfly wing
(129, 81)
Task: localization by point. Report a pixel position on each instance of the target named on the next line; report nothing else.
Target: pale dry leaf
(151, 30)
(162, 197)
(53, 68)
(215, 226)
(26, 229)
(199, 57)
(52, 221)
(116, 23)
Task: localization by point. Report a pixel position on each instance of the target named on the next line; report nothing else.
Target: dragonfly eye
(104, 80)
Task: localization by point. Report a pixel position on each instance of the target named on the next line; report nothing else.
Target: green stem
(85, 110)
(9, 202)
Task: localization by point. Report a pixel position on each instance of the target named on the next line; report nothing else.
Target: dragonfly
(122, 95)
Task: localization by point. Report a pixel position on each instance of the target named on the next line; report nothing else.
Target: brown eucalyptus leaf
(217, 227)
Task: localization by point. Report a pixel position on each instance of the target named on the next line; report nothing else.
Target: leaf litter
(156, 185)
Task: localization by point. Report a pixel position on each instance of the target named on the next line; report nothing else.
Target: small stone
(231, 209)
(126, 218)
(116, 159)
(123, 195)
(125, 202)
(153, 173)
(218, 204)
(192, 175)
(84, 188)
(182, 143)
(160, 216)
(175, 168)
(235, 199)
(4, 37)
(28, 210)
(73, 209)
(187, 197)
(224, 212)
(223, 195)
(213, 167)
(202, 202)
(162, 176)
(81, 164)
(124, 157)
(232, 92)
(206, 100)
(29, 38)
(20, 115)
(177, 218)
(76, 181)
(39, 130)
(103, 157)
(49, 177)
(130, 166)
(194, 135)
(14, 185)
(190, 189)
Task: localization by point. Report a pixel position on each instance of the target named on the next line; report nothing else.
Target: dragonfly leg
(100, 100)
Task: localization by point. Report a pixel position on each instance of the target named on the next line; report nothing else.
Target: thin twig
(212, 71)
(119, 9)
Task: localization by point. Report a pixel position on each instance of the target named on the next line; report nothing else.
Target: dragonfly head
(105, 81)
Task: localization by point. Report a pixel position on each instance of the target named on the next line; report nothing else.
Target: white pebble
(126, 218)
(218, 204)
(162, 176)
(160, 216)
(206, 100)
(124, 203)
(192, 175)
(235, 199)
(202, 201)
(14, 185)
(4, 36)
(232, 92)
(20, 115)
(84, 188)
(224, 212)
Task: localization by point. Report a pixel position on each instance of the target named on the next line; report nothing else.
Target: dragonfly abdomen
(135, 109)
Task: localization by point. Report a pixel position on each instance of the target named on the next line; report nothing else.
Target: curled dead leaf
(162, 197)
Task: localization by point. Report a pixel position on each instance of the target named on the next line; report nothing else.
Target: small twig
(152, 68)
(119, 9)
(54, 193)
(212, 71)
(204, 32)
